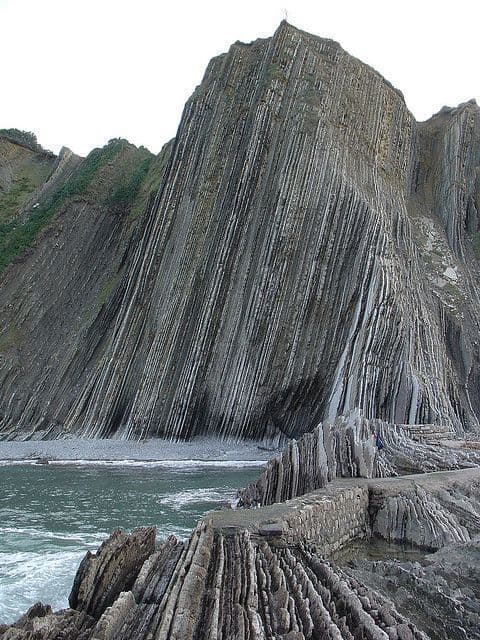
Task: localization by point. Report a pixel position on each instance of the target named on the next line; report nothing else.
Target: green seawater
(51, 515)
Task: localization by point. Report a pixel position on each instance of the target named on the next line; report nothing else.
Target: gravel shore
(76, 450)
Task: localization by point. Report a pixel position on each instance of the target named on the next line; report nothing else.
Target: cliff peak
(302, 249)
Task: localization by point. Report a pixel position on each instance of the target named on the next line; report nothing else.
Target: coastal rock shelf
(306, 248)
(441, 595)
(346, 447)
(262, 573)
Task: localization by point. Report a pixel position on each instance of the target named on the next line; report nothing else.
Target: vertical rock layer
(310, 250)
(345, 448)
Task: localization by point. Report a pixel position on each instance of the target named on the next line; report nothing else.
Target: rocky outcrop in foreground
(263, 573)
(306, 248)
(441, 594)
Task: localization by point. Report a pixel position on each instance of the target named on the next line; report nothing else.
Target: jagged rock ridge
(310, 250)
(345, 448)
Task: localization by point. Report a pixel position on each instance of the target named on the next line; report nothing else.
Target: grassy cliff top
(25, 139)
(34, 188)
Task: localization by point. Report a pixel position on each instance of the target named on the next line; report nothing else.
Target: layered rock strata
(102, 576)
(57, 293)
(262, 573)
(346, 447)
(442, 594)
(310, 249)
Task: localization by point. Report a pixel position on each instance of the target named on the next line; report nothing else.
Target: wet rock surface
(441, 594)
(264, 573)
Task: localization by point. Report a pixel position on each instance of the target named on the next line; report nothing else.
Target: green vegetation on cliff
(23, 138)
(110, 176)
(24, 167)
(12, 201)
(151, 181)
(126, 193)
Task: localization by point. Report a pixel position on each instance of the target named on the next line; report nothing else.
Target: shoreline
(154, 452)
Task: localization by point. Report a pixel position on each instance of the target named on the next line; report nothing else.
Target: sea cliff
(306, 248)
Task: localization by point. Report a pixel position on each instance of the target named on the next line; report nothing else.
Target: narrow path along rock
(346, 447)
(263, 573)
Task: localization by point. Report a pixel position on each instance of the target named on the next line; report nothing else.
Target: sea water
(50, 515)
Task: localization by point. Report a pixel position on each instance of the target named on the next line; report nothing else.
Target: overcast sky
(79, 72)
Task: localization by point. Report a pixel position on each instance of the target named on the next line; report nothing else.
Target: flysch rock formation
(271, 572)
(442, 594)
(346, 447)
(306, 263)
(64, 242)
(309, 249)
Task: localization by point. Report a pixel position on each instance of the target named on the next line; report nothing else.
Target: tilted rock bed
(441, 594)
(262, 573)
(345, 447)
(222, 586)
(302, 248)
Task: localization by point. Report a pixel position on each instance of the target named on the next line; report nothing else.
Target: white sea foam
(167, 464)
(82, 538)
(26, 578)
(10, 463)
(47, 576)
(174, 464)
(180, 499)
(47, 523)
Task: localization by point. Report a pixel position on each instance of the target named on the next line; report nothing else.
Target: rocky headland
(302, 248)
(302, 260)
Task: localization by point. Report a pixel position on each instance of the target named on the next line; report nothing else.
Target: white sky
(79, 72)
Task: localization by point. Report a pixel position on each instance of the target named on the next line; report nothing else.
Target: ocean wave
(167, 464)
(181, 499)
(13, 463)
(46, 526)
(26, 578)
(83, 538)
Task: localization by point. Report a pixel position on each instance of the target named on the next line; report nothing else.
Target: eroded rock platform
(270, 572)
